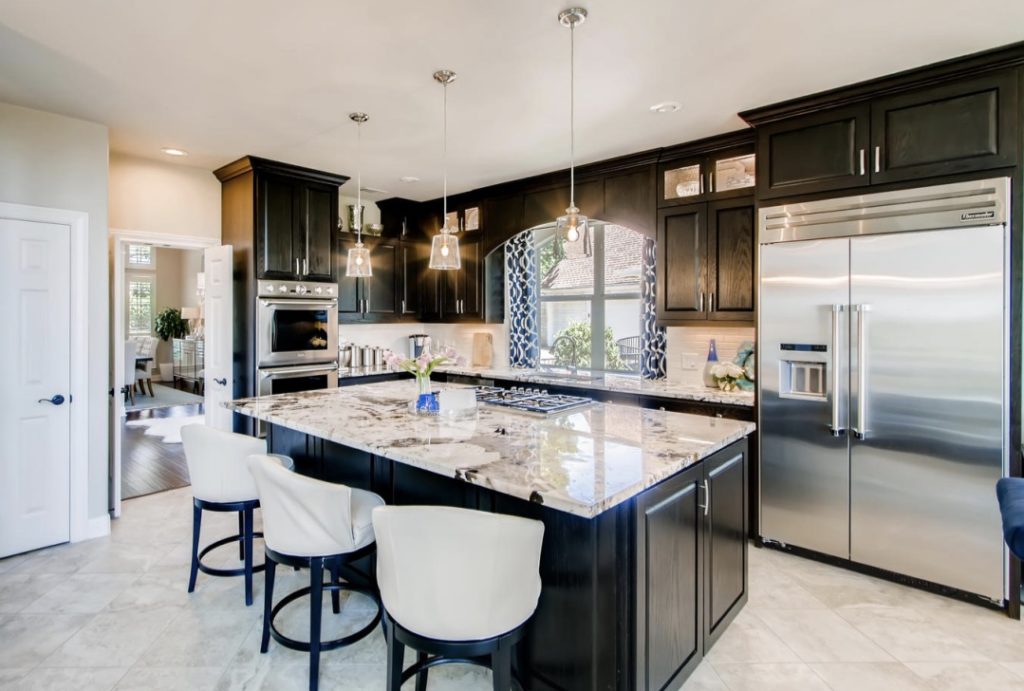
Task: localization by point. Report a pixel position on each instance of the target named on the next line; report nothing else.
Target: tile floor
(114, 614)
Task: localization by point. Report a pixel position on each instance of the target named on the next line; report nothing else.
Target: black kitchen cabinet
(387, 295)
(889, 130)
(816, 153)
(725, 540)
(730, 263)
(543, 207)
(294, 227)
(706, 262)
(686, 176)
(948, 129)
(455, 295)
(691, 566)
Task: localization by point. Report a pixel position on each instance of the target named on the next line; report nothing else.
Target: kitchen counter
(615, 383)
(583, 462)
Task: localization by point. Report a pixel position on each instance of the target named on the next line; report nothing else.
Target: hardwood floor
(148, 464)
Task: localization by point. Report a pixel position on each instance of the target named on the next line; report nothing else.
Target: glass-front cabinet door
(724, 173)
(683, 182)
(464, 220)
(732, 173)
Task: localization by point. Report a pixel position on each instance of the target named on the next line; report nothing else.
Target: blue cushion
(1010, 491)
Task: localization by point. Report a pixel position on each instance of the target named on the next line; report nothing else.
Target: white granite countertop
(582, 462)
(624, 383)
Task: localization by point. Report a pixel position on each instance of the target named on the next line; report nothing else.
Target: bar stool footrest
(324, 645)
(213, 571)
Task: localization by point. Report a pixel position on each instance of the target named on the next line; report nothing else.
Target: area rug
(168, 428)
(165, 397)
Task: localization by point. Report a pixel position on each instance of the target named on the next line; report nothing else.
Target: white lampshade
(444, 252)
(358, 262)
(573, 225)
(190, 313)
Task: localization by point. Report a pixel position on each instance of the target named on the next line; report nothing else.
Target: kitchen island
(645, 512)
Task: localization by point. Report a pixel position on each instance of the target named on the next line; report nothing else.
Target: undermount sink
(564, 376)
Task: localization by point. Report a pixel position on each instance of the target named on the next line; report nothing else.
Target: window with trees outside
(590, 299)
(141, 299)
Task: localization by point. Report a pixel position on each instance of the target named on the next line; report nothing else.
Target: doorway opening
(158, 296)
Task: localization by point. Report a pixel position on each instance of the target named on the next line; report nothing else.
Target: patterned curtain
(652, 339)
(524, 324)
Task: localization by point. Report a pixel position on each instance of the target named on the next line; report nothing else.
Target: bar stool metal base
(244, 538)
(336, 565)
(493, 653)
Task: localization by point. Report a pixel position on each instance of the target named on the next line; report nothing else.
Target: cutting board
(483, 350)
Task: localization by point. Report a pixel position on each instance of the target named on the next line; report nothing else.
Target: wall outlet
(691, 362)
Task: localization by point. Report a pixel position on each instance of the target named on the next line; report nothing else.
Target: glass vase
(426, 401)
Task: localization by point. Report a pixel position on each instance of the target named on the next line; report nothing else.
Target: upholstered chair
(320, 526)
(457, 585)
(219, 473)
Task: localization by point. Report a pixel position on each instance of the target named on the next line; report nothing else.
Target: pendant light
(573, 224)
(444, 250)
(359, 256)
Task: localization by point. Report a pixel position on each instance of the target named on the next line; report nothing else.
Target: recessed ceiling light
(174, 152)
(665, 107)
(408, 178)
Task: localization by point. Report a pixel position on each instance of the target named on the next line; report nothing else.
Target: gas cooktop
(530, 401)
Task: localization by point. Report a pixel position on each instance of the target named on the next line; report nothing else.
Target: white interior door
(218, 306)
(35, 368)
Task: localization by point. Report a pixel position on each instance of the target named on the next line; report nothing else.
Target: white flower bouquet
(727, 375)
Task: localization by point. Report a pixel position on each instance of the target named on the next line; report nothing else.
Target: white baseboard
(98, 526)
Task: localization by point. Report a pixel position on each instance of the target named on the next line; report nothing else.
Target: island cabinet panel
(725, 543)
(632, 599)
(669, 580)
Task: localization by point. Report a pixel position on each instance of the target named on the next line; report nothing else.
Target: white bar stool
(219, 473)
(457, 586)
(312, 524)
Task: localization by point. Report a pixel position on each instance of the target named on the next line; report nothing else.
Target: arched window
(589, 298)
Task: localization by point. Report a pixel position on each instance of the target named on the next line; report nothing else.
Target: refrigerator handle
(860, 429)
(837, 424)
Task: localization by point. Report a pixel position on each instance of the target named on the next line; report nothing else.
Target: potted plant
(169, 324)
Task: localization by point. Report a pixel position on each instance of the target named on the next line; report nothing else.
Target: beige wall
(167, 198)
(58, 162)
(175, 285)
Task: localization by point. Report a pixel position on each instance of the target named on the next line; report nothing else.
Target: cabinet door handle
(700, 307)
(305, 266)
(707, 498)
(878, 159)
(403, 306)
(711, 182)
(863, 164)
(711, 302)
(701, 183)
(297, 266)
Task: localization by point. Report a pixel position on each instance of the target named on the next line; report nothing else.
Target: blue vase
(709, 378)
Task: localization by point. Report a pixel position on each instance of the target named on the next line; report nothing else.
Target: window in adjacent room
(141, 256)
(141, 299)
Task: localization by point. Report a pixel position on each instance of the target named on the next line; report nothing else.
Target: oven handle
(286, 372)
(299, 303)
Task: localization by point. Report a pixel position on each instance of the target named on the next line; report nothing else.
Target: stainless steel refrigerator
(883, 347)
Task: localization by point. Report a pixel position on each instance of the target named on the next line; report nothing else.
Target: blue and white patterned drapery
(523, 323)
(652, 337)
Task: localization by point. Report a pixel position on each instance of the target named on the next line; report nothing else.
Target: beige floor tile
(869, 676)
(113, 636)
(774, 589)
(201, 638)
(908, 635)
(19, 590)
(705, 678)
(1015, 667)
(123, 558)
(81, 593)
(170, 679)
(988, 632)
(967, 676)
(822, 636)
(28, 639)
(748, 639)
(68, 679)
(770, 676)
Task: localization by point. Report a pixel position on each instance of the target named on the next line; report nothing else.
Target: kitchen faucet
(574, 355)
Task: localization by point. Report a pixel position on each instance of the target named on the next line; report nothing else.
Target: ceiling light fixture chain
(573, 224)
(444, 252)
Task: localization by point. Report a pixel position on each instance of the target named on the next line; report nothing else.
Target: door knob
(222, 382)
(56, 400)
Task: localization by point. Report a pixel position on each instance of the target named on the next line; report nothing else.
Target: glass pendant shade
(358, 262)
(573, 225)
(444, 252)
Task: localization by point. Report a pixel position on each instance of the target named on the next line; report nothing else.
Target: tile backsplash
(687, 346)
(396, 336)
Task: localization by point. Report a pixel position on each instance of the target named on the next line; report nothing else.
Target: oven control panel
(297, 289)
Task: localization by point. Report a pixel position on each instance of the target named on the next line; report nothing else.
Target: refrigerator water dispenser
(802, 380)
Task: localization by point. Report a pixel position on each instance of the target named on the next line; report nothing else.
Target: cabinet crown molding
(265, 165)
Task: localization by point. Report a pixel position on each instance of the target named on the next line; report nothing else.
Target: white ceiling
(277, 79)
